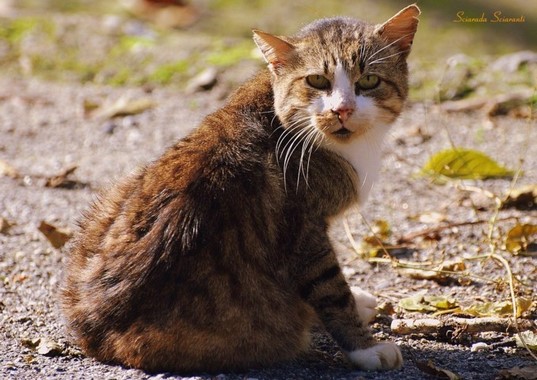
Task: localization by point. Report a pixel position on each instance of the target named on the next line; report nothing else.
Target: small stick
(429, 231)
(471, 325)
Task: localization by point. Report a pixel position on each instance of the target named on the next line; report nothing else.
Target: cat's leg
(344, 314)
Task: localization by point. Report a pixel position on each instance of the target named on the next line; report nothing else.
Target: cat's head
(341, 77)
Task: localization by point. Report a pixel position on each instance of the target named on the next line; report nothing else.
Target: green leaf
(464, 164)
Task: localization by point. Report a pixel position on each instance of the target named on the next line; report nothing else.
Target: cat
(215, 257)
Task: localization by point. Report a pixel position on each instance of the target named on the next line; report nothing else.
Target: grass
(132, 59)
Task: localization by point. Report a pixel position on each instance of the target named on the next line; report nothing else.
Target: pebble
(204, 81)
(479, 346)
(48, 347)
(348, 271)
(109, 127)
(511, 62)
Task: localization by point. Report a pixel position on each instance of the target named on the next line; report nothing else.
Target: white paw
(381, 356)
(366, 304)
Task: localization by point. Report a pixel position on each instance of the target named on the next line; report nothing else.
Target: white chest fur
(364, 154)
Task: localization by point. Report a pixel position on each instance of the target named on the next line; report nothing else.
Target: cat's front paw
(382, 356)
(366, 304)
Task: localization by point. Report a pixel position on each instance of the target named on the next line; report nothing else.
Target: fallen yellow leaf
(425, 303)
(498, 309)
(520, 237)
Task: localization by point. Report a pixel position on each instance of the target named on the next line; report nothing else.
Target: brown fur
(213, 258)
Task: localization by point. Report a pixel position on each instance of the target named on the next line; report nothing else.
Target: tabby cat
(215, 257)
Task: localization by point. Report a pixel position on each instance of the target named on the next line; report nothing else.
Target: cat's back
(228, 157)
(186, 250)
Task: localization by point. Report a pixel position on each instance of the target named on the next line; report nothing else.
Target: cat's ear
(400, 29)
(275, 50)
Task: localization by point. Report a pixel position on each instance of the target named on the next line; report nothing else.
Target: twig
(349, 235)
(518, 324)
(432, 230)
(490, 104)
(470, 325)
(396, 263)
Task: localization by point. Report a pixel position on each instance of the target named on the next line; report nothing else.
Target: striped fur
(215, 257)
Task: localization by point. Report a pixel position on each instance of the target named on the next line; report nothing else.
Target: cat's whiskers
(292, 146)
(382, 59)
(288, 141)
(287, 132)
(396, 41)
(308, 144)
(313, 146)
(274, 117)
(364, 52)
(300, 133)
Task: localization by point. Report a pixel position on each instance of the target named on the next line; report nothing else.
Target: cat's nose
(343, 113)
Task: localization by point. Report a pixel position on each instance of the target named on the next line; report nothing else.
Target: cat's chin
(346, 135)
(342, 133)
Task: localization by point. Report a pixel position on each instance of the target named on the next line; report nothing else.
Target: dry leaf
(165, 14)
(495, 105)
(529, 337)
(524, 198)
(386, 308)
(376, 244)
(89, 107)
(31, 342)
(425, 303)
(62, 180)
(498, 309)
(381, 231)
(521, 237)
(122, 107)
(56, 236)
(432, 217)
(439, 273)
(48, 347)
(5, 225)
(519, 373)
(6, 170)
(430, 368)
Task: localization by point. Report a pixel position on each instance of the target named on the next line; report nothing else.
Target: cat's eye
(318, 81)
(367, 82)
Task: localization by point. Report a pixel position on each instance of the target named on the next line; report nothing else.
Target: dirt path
(43, 132)
(49, 126)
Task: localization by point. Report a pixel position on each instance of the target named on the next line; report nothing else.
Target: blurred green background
(101, 41)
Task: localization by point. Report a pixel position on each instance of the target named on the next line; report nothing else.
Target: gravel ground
(44, 131)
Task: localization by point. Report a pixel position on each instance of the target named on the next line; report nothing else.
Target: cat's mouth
(342, 132)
